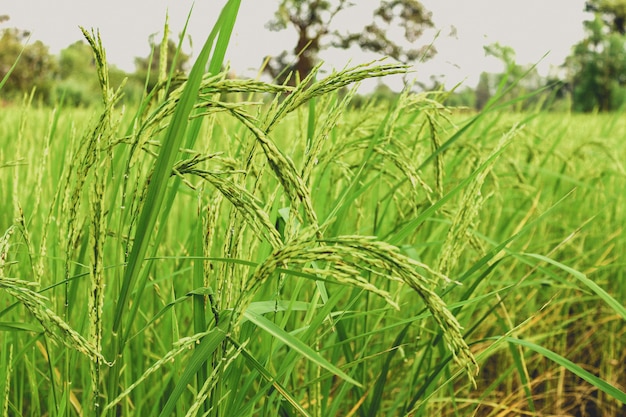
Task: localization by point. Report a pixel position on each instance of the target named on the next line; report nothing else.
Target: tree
(312, 20)
(597, 67)
(77, 79)
(613, 13)
(35, 67)
(483, 91)
(77, 61)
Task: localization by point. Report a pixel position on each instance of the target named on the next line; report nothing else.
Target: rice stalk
(28, 100)
(283, 168)
(92, 171)
(210, 224)
(163, 52)
(212, 380)
(436, 146)
(4, 248)
(7, 362)
(45, 164)
(45, 158)
(459, 233)
(158, 200)
(181, 346)
(315, 144)
(158, 183)
(248, 206)
(155, 190)
(54, 325)
(305, 91)
(347, 257)
(405, 166)
(96, 299)
(25, 235)
(396, 265)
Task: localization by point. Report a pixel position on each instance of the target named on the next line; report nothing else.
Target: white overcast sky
(532, 27)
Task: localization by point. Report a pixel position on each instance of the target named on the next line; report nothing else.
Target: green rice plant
(287, 254)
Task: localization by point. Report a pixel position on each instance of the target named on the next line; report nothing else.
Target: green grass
(201, 256)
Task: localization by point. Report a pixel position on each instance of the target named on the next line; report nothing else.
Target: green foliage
(189, 255)
(613, 13)
(303, 320)
(598, 65)
(34, 66)
(77, 61)
(70, 78)
(77, 78)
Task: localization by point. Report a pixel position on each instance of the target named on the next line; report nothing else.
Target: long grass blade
(297, 345)
(158, 186)
(606, 297)
(573, 368)
(163, 170)
(209, 344)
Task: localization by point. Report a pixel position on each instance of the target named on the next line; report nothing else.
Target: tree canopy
(313, 22)
(612, 12)
(34, 66)
(597, 64)
(71, 76)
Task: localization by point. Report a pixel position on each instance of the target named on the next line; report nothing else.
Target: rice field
(237, 248)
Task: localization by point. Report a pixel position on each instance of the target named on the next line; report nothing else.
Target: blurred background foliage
(592, 78)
